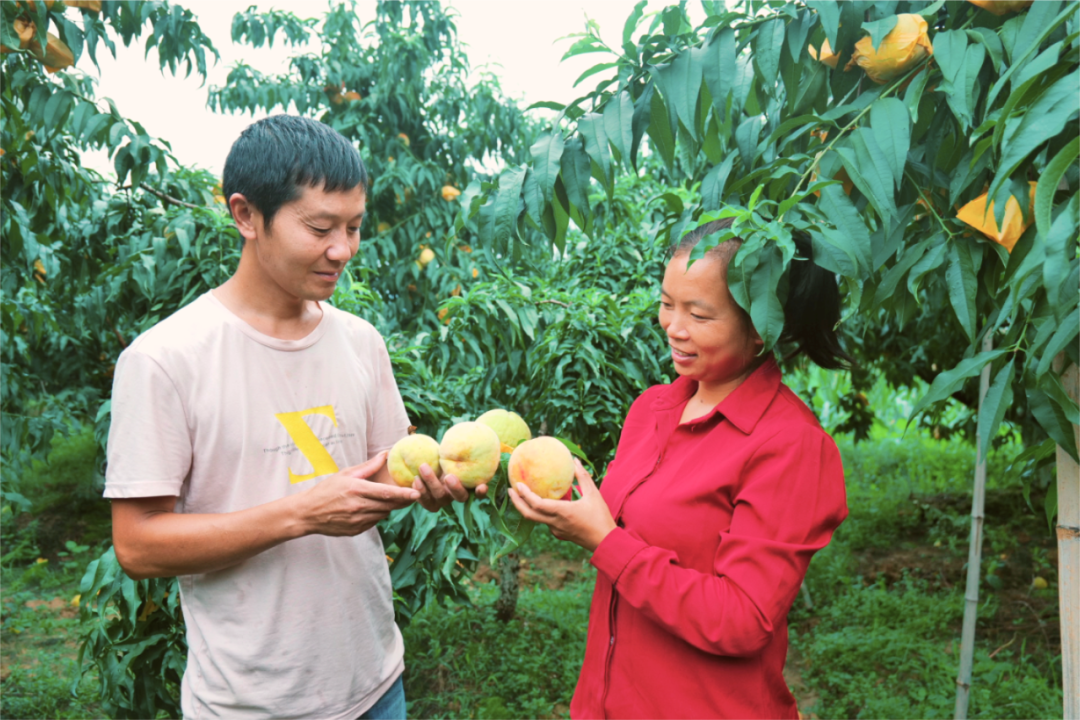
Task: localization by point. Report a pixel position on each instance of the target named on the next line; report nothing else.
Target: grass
(882, 638)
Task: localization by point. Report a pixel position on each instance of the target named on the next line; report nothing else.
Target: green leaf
(891, 124)
(868, 169)
(660, 130)
(991, 42)
(680, 81)
(631, 22)
(930, 12)
(829, 13)
(534, 198)
(1045, 119)
(963, 284)
(992, 409)
(853, 232)
(576, 173)
(948, 382)
(754, 279)
(507, 203)
(546, 154)
(619, 124)
(1048, 184)
(879, 29)
(1062, 337)
(767, 43)
(1038, 17)
(960, 64)
(718, 67)
(1052, 418)
(587, 44)
(596, 145)
(746, 138)
(712, 186)
(594, 70)
(895, 274)
(1060, 260)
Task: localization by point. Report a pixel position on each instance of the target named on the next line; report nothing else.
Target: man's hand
(585, 522)
(436, 494)
(348, 503)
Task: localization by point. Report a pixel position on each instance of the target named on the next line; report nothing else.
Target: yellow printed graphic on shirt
(308, 443)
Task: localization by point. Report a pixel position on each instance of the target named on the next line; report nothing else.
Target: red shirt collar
(743, 407)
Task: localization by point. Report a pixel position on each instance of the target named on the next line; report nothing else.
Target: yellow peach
(471, 451)
(545, 465)
(408, 454)
(508, 425)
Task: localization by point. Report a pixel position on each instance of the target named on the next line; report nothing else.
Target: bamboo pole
(971, 594)
(1068, 535)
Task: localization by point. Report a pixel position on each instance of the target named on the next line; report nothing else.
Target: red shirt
(717, 521)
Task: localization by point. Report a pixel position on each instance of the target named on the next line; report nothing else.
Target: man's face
(311, 239)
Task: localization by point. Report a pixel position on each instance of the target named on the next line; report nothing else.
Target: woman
(722, 488)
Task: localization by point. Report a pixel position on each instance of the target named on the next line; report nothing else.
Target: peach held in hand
(509, 426)
(408, 454)
(471, 451)
(545, 465)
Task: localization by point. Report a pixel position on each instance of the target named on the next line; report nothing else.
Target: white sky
(517, 39)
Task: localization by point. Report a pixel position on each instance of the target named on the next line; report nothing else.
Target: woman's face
(711, 340)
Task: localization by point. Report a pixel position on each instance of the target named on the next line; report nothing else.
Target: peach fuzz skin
(543, 464)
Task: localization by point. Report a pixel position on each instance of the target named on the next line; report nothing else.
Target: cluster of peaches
(473, 450)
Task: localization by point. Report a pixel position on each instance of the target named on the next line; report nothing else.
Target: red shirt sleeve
(790, 499)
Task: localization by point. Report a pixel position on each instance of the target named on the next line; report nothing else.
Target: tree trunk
(506, 605)
(971, 594)
(1068, 534)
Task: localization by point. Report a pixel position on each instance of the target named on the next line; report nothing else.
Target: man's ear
(245, 215)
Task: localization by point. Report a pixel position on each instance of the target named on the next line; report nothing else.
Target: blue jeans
(391, 706)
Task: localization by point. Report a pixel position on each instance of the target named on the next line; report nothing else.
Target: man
(247, 452)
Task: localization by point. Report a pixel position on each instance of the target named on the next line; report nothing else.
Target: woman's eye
(321, 231)
(698, 317)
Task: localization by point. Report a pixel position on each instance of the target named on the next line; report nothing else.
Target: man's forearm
(151, 542)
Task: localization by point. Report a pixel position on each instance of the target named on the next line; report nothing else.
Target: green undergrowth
(883, 637)
(463, 662)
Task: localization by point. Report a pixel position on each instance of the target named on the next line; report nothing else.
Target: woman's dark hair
(273, 157)
(812, 309)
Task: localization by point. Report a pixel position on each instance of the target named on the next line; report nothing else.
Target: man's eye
(355, 230)
(321, 231)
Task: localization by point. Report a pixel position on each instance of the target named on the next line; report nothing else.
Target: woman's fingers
(585, 481)
(527, 511)
(541, 508)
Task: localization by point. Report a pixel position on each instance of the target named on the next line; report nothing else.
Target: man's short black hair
(273, 157)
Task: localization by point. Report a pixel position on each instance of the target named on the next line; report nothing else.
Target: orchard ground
(880, 640)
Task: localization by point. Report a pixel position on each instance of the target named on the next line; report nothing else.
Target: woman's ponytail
(812, 310)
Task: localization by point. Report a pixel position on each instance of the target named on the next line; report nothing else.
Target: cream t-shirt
(208, 409)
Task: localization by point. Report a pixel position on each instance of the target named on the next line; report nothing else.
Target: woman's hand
(585, 522)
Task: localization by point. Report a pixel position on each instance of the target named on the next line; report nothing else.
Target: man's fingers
(399, 496)
(453, 485)
(369, 468)
(430, 484)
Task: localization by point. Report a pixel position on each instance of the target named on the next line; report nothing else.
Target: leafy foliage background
(540, 297)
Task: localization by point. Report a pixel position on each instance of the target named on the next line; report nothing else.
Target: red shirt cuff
(615, 552)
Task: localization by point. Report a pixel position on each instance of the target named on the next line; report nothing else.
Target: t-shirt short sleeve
(390, 421)
(149, 450)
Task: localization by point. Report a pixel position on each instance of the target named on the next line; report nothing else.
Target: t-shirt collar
(743, 407)
(269, 341)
